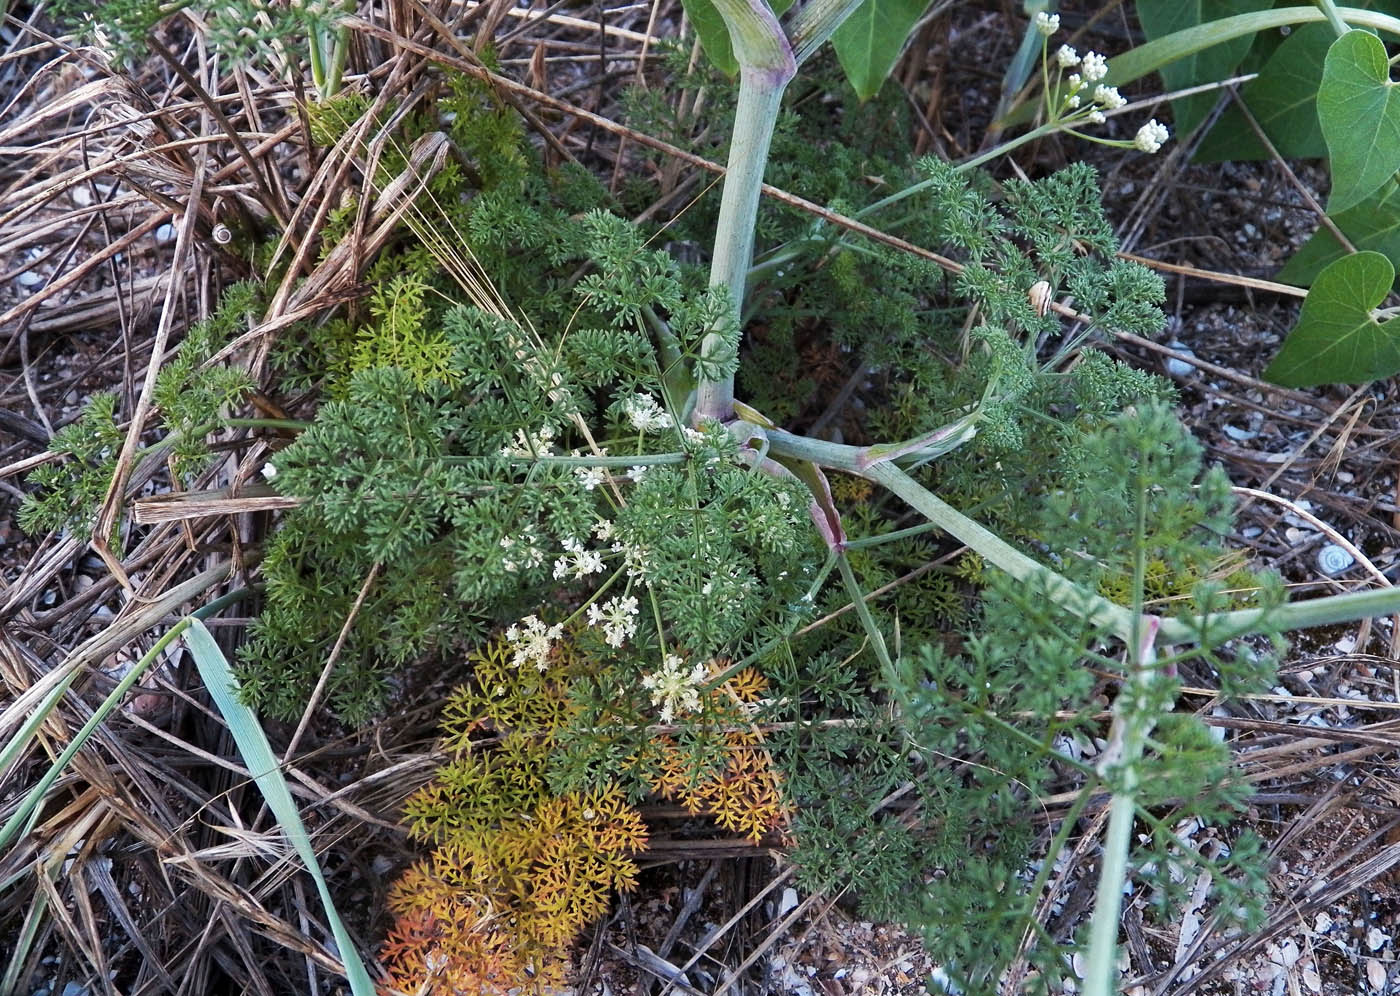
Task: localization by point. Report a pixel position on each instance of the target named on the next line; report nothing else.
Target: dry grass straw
(151, 857)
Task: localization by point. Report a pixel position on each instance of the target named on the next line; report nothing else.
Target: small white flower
(269, 471)
(1067, 57)
(1047, 24)
(637, 559)
(527, 556)
(603, 529)
(618, 617)
(645, 414)
(1095, 66)
(1150, 136)
(1072, 101)
(1109, 97)
(637, 473)
(1075, 83)
(1096, 117)
(590, 477)
(578, 563)
(530, 445)
(674, 690)
(531, 642)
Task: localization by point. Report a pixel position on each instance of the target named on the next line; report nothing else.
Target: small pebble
(1179, 368)
(165, 234)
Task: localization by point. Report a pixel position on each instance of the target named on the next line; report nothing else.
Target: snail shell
(1332, 559)
(1040, 296)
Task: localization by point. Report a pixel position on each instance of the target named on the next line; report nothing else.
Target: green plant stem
(1093, 607)
(1329, 10)
(291, 424)
(867, 620)
(1132, 723)
(1179, 44)
(1133, 720)
(1038, 132)
(760, 97)
(766, 66)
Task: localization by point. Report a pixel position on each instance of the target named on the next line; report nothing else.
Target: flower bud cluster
(1079, 97)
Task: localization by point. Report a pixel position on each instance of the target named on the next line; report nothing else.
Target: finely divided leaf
(1336, 340)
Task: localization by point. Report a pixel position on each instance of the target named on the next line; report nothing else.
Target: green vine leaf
(1161, 18)
(869, 42)
(1359, 109)
(1283, 99)
(1336, 340)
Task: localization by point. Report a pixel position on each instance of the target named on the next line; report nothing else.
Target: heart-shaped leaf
(868, 43)
(1283, 99)
(1359, 110)
(1336, 340)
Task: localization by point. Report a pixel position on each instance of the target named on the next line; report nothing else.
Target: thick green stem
(1334, 18)
(1133, 721)
(1117, 619)
(760, 97)
(766, 66)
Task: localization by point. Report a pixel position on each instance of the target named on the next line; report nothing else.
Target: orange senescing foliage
(518, 871)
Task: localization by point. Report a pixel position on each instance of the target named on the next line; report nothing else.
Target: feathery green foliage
(191, 398)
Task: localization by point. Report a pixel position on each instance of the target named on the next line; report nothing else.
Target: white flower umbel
(1070, 104)
(590, 477)
(534, 444)
(617, 616)
(637, 473)
(674, 689)
(1151, 136)
(636, 558)
(603, 529)
(521, 553)
(1047, 24)
(578, 562)
(531, 640)
(645, 414)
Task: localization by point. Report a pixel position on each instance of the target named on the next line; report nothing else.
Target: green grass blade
(259, 759)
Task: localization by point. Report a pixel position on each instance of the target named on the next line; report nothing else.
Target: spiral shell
(1332, 559)
(223, 235)
(1040, 296)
